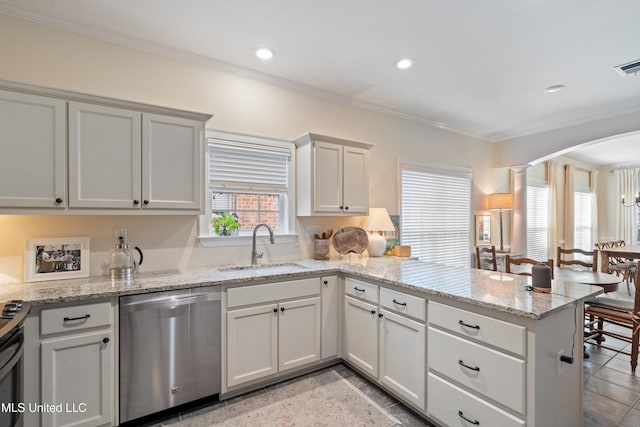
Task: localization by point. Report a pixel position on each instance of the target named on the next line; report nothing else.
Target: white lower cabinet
(361, 335)
(402, 356)
(267, 333)
(252, 343)
(77, 373)
(385, 344)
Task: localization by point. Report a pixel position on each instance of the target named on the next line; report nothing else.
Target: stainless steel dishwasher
(169, 350)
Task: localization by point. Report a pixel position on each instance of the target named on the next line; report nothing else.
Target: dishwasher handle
(170, 302)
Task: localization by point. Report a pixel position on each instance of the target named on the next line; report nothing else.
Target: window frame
(589, 226)
(288, 233)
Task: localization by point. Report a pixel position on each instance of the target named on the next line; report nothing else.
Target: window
(436, 213)
(582, 222)
(537, 222)
(251, 178)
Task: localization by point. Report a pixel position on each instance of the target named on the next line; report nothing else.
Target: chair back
(486, 256)
(611, 244)
(572, 263)
(524, 261)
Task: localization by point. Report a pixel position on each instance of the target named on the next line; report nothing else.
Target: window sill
(245, 240)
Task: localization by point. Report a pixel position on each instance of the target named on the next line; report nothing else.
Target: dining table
(607, 281)
(627, 251)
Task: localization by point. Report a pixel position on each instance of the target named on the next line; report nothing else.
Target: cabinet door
(329, 326)
(33, 161)
(299, 333)
(356, 180)
(104, 157)
(327, 177)
(252, 343)
(402, 357)
(77, 372)
(172, 155)
(361, 335)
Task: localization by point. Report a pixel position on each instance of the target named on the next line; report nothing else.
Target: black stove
(12, 314)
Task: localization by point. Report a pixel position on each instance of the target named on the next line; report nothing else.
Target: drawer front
(449, 404)
(495, 332)
(75, 318)
(404, 303)
(362, 290)
(495, 375)
(259, 294)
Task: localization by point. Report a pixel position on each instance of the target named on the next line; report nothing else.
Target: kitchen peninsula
(490, 348)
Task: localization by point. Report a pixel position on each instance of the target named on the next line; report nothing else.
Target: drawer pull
(357, 289)
(474, 422)
(472, 368)
(373, 312)
(69, 319)
(404, 304)
(466, 325)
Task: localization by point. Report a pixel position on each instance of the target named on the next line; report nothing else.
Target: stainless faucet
(254, 254)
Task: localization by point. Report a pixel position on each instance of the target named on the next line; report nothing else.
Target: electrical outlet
(561, 364)
(121, 232)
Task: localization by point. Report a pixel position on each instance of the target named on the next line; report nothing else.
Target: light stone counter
(495, 291)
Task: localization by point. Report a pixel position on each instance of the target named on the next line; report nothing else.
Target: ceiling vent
(632, 67)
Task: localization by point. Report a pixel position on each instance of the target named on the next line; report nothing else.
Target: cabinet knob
(341, 207)
(145, 202)
(281, 308)
(373, 312)
(380, 314)
(105, 340)
(326, 282)
(58, 200)
(275, 310)
(136, 202)
(346, 208)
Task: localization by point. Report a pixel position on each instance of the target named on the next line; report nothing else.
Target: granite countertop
(496, 291)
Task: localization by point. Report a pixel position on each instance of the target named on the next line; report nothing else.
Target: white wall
(40, 55)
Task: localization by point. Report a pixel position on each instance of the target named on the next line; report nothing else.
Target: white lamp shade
(379, 220)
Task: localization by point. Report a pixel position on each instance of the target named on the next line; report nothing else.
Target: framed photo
(56, 258)
(483, 229)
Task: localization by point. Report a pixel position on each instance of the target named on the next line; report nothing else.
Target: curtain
(553, 171)
(626, 217)
(568, 207)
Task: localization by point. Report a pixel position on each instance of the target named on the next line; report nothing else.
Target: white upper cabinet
(105, 149)
(171, 162)
(33, 140)
(332, 176)
(67, 152)
(116, 163)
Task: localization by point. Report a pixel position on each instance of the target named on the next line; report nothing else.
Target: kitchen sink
(285, 265)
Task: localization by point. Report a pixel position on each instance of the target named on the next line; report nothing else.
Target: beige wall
(40, 55)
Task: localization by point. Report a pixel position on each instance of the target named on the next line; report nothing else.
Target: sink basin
(284, 266)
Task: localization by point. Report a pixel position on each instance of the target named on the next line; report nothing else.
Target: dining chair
(579, 263)
(486, 258)
(613, 317)
(524, 261)
(617, 265)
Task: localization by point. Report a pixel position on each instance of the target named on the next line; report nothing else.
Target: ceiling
(481, 66)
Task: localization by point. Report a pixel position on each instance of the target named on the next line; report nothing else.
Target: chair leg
(635, 341)
(628, 277)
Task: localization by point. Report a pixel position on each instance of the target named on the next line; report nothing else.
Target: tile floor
(611, 392)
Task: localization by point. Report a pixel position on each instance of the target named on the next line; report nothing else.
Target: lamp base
(377, 244)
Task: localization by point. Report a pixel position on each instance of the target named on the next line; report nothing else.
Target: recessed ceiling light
(554, 89)
(264, 53)
(404, 63)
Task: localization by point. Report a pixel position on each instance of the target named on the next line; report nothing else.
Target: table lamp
(379, 221)
(501, 201)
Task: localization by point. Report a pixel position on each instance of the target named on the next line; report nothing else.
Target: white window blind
(436, 213)
(242, 165)
(537, 222)
(582, 211)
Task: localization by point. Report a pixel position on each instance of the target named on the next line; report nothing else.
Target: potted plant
(226, 224)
